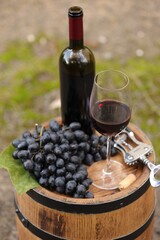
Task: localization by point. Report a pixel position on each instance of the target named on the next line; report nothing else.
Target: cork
(126, 182)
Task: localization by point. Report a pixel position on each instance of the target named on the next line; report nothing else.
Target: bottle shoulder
(83, 55)
(84, 49)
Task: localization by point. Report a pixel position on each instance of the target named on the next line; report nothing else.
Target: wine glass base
(107, 178)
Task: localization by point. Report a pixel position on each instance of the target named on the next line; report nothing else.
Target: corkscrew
(134, 151)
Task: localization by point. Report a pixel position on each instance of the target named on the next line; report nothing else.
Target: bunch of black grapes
(57, 156)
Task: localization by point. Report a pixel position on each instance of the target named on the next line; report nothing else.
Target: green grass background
(29, 84)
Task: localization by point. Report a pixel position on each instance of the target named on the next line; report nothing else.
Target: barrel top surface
(102, 196)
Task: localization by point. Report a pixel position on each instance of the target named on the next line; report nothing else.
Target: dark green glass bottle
(77, 71)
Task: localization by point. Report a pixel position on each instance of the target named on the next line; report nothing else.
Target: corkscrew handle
(155, 170)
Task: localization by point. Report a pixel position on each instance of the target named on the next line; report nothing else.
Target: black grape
(57, 156)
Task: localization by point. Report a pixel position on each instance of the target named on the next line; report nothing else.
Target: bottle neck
(75, 32)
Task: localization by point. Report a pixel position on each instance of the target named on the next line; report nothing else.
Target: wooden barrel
(126, 214)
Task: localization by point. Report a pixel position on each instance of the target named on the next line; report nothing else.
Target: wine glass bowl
(110, 111)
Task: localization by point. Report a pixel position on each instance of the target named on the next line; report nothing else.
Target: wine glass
(110, 111)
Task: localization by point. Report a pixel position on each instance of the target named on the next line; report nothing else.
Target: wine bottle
(77, 71)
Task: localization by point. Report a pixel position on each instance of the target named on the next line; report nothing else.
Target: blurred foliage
(29, 84)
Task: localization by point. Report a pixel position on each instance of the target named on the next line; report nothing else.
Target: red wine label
(75, 28)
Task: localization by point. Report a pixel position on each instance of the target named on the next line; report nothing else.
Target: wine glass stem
(108, 164)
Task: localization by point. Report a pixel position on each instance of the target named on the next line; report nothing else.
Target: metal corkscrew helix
(139, 152)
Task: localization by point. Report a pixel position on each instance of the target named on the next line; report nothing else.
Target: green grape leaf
(20, 178)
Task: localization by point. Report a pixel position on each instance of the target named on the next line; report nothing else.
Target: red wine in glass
(110, 110)
(110, 116)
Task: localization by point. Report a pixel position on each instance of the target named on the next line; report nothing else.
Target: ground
(115, 28)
